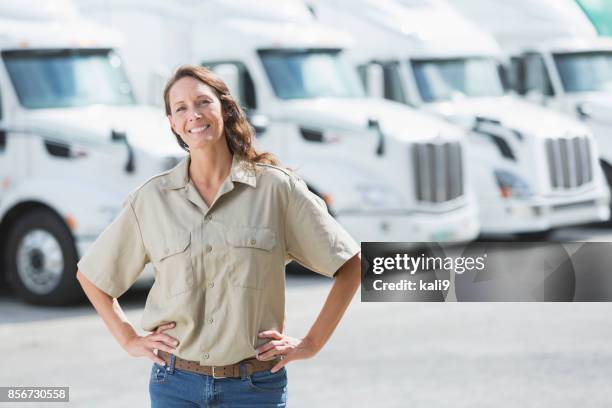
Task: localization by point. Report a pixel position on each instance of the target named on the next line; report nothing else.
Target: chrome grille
(569, 162)
(438, 169)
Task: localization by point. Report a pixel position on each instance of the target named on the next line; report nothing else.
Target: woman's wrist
(314, 342)
(125, 338)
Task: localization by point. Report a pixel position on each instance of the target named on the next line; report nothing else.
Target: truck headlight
(512, 186)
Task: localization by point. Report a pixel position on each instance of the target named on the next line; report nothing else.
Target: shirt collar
(241, 172)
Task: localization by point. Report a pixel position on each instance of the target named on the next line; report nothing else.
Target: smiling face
(195, 113)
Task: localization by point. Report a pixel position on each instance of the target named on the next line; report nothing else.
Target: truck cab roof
(64, 33)
(263, 34)
(423, 28)
(574, 44)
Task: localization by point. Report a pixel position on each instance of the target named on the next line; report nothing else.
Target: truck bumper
(460, 225)
(542, 214)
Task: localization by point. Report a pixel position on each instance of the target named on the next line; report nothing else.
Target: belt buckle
(213, 373)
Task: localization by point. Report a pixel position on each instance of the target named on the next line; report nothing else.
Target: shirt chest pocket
(252, 256)
(172, 259)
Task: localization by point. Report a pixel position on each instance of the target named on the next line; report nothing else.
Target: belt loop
(243, 371)
(171, 365)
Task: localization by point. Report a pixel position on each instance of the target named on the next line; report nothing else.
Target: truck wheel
(607, 171)
(41, 260)
(294, 268)
(537, 236)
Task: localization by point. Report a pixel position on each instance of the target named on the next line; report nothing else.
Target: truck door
(534, 80)
(391, 86)
(11, 167)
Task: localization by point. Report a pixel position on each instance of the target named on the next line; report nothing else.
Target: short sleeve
(313, 237)
(117, 257)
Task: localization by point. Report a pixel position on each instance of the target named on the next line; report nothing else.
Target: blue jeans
(173, 388)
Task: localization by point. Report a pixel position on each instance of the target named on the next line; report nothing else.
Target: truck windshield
(585, 71)
(67, 78)
(447, 79)
(303, 74)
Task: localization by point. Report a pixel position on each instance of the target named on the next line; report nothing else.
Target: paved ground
(382, 355)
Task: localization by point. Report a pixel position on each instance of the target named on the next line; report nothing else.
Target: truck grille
(438, 169)
(569, 162)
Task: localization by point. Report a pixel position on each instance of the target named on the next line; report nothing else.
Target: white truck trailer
(520, 22)
(534, 169)
(387, 172)
(73, 143)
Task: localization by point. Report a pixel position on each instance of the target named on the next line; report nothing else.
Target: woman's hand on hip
(289, 348)
(144, 346)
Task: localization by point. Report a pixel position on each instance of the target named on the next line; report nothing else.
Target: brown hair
(238, 132)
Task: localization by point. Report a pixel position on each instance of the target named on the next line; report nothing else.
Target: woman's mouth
(200, 129)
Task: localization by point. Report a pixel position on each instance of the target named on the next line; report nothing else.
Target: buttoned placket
(192, 194)
(205, 250)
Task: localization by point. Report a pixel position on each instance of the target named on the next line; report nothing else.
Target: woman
(218, 228)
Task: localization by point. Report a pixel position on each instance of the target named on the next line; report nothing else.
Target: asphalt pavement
(382, 354)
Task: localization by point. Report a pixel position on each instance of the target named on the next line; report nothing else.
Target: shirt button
(211, 320)
(206, 355)
(253, 242)
(211, 285)
(208, 217)
(208, 248)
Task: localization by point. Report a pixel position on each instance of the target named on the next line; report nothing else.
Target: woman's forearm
(346, 283)
(108, 308)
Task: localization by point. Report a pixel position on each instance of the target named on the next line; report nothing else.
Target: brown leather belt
(252, 365)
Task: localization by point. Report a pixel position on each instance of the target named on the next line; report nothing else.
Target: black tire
(61, 290)
(607, 171)
(294, 268)
(537, 236)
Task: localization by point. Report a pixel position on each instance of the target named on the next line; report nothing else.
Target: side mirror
(583, 111)
(259, 122)
(231, 76)
(375, 80)
(121, 137)
(118, 136)
(374, 124)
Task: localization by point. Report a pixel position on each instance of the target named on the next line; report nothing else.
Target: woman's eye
(180, 109)
(204, 102)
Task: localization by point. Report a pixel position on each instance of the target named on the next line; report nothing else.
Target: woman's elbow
(351, 269)
(83, 281)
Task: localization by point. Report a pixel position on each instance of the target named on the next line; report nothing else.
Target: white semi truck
(572, 75)
(387, 172)
(73, 143)
(562, 64)
(534, 169)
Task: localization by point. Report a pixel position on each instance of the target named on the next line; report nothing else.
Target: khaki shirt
(219, 271)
